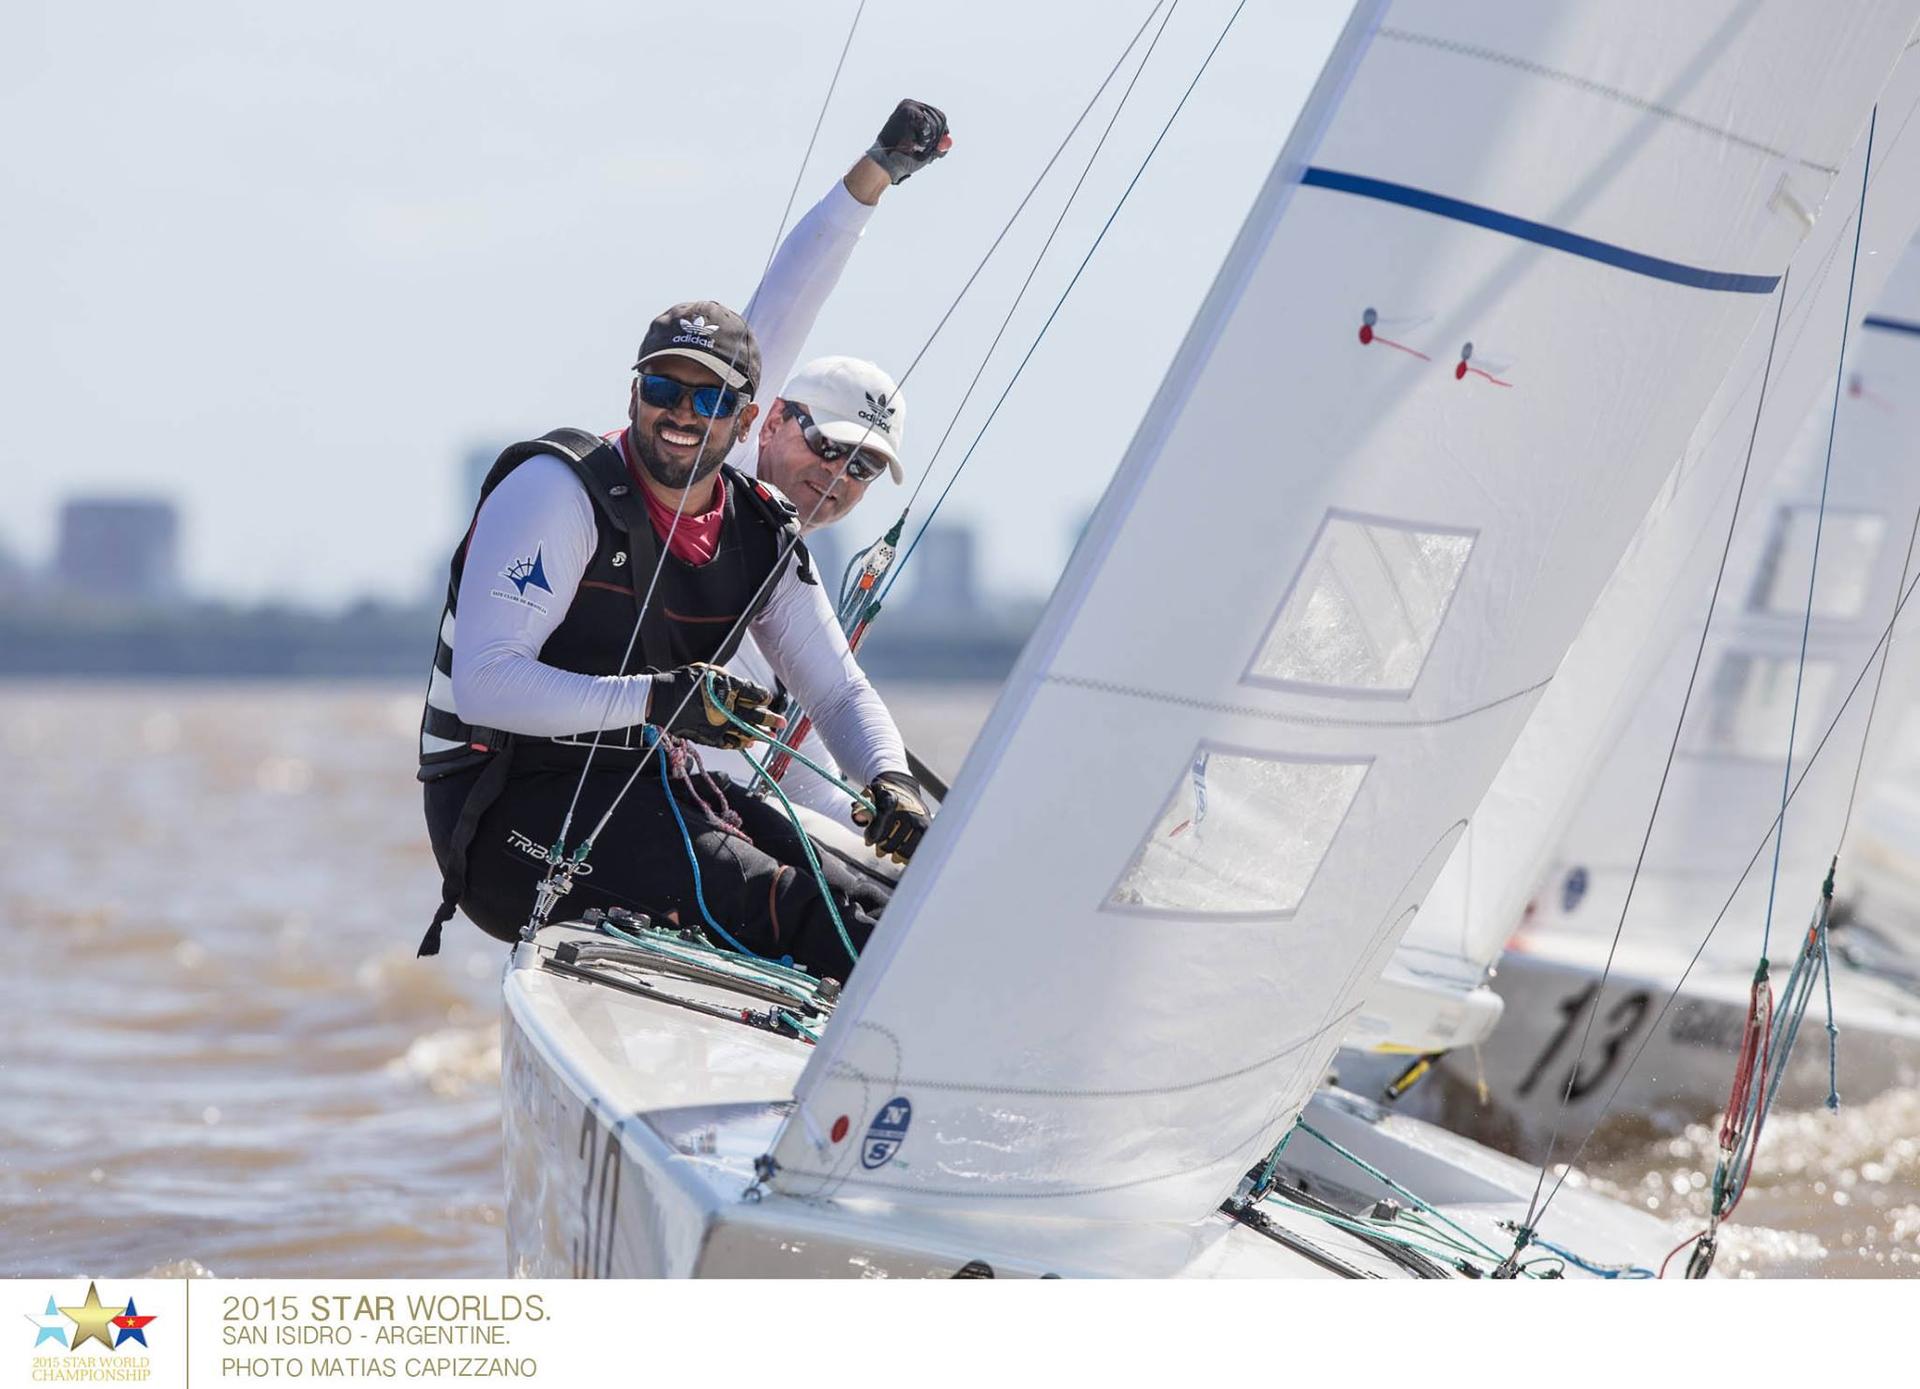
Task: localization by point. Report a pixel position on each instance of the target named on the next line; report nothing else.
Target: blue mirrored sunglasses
(709, 402)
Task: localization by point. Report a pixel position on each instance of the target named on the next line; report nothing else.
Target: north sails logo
(878, 413)
(697, 331)
(886, 1133)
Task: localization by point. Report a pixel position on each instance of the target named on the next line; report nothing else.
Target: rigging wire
(1873, 705)
(1059, 303)
(806, 157)
(1819, 526)
(558, 861)
(1534, 1207)
(1034, 269)
(1040, 178)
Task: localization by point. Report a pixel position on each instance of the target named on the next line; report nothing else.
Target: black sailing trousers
(759, 888)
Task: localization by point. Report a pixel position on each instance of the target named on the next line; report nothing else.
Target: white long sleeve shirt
(541, 512)
(799, 281)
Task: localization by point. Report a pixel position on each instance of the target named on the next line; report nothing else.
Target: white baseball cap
(853, 403)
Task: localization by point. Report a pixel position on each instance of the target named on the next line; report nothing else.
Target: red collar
(695, 538)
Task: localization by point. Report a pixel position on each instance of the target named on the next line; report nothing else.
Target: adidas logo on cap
(878, 413)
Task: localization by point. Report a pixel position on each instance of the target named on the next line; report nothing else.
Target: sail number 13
(1622, 1021)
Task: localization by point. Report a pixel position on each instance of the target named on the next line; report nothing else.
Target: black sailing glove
(681, 701)
(900, 820)
(914, 136)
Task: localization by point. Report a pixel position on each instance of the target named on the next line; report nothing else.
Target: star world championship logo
(77, 1330)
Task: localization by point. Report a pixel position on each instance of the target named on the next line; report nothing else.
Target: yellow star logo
(91, 1320)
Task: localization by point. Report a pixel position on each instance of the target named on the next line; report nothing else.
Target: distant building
(830, 556)
(943, 574)
(118, 549)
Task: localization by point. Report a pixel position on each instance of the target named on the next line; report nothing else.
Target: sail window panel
(1241, 834)
(1364, 610)
(1849, 545)
(1749, 708)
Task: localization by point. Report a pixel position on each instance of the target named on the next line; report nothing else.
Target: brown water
(217, 1052)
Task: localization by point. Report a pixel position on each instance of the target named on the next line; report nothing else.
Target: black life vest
(697, 613)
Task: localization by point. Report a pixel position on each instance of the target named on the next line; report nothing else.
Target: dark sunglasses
(709, 402)
(861, 467)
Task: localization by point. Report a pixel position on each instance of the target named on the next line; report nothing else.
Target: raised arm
(810, 260)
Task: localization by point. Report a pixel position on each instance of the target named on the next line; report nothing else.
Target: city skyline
(124, 551)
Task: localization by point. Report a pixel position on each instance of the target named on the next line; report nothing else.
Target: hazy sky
(288, 264)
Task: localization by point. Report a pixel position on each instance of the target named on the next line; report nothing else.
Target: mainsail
(1488, 288)
(1649, 618)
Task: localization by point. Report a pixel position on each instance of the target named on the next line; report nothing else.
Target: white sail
(1724, 790)
(1649, 617)
(1488, 289)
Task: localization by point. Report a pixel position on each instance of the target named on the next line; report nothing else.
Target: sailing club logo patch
(886, 1133)
(524, 573)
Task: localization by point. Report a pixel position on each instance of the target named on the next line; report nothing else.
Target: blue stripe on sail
(1891, 325)
(1539, 233)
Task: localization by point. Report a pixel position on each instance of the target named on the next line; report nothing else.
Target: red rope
(777, 765)
(1756, 1038)
(1690, 1239)
(684, 766)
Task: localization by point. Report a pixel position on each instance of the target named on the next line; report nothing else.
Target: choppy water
(218, 1053)
(217, 1050)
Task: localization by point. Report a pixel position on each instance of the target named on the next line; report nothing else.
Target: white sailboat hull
(633, 1123)
(1683, 1075)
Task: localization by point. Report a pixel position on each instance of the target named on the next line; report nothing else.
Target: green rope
(791, 1021)
(1419, 1222)
(1263, 1183)
(801, 986)
(1371, 1229)
(761, 735)
(806, 845)
(1394, 1186)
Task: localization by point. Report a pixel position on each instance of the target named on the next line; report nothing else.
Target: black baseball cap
(709, 333)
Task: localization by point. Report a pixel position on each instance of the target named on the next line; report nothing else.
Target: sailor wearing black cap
(571, 534)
